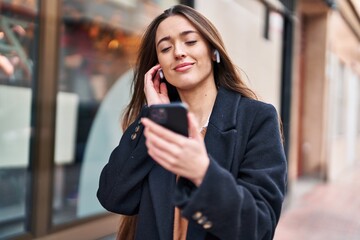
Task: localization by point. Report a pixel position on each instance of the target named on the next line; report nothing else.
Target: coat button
(137, 128)
(202, 220)
(133, 136)
(207, 225)
(197, 216)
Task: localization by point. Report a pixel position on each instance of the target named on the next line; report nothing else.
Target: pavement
(316, 210)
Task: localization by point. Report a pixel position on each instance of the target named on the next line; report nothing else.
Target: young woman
(227, 179)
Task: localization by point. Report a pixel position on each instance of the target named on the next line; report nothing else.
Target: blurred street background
(65, 74)
(317, 211)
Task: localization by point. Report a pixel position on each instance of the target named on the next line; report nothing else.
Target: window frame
(43, 139)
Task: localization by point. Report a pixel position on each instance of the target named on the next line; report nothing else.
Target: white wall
(241, 24)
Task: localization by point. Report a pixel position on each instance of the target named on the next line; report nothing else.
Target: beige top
(180, 223)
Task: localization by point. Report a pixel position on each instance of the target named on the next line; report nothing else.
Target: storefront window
(17, 58)
(99, 42)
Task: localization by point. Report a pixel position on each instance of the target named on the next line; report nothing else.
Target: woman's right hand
(155, 91)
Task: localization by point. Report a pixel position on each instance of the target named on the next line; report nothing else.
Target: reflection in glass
(17, 44)
(99, 42)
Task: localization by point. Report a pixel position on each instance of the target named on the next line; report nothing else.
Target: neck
(200, 102)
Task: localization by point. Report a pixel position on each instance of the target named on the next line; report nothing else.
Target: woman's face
(183, 54)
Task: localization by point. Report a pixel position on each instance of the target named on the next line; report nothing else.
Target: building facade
(325, 111)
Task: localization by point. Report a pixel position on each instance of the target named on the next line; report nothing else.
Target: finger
(154, 70)
(156, 82)
(148, 82)
(151, 74)
(163, 132)
(164, 153)
(154, 139)
(163, 158)
(167, 160)
(163, 89)
(151, 85)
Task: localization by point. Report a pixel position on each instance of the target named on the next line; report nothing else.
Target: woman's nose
(179, 51)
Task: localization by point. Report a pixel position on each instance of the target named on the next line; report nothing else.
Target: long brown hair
(226, 75)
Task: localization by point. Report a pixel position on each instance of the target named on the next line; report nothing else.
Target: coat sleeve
(122, 177)
(246, 206)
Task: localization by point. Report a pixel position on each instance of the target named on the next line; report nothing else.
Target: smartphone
(173, 116)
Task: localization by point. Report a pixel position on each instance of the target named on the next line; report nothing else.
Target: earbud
(161, 74)
(217, 55)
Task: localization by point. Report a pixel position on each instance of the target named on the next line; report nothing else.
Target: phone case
(173, 116)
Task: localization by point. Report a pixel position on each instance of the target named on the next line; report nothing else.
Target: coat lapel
(220, 140)
(221, 132)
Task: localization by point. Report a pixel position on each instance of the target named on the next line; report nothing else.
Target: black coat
(243, 189)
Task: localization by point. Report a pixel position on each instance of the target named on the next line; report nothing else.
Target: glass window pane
(17, 44)
(99, 41)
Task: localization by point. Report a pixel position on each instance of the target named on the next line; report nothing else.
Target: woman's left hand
(186, 157)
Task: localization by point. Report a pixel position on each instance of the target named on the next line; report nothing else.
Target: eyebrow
(167, 38)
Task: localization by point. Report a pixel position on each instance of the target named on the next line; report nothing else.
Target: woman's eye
(191, 42)
(165, 49)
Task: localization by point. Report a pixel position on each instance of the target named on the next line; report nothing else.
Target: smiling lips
(183, 67)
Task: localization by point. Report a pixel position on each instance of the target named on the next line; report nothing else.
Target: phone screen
(173, 116)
